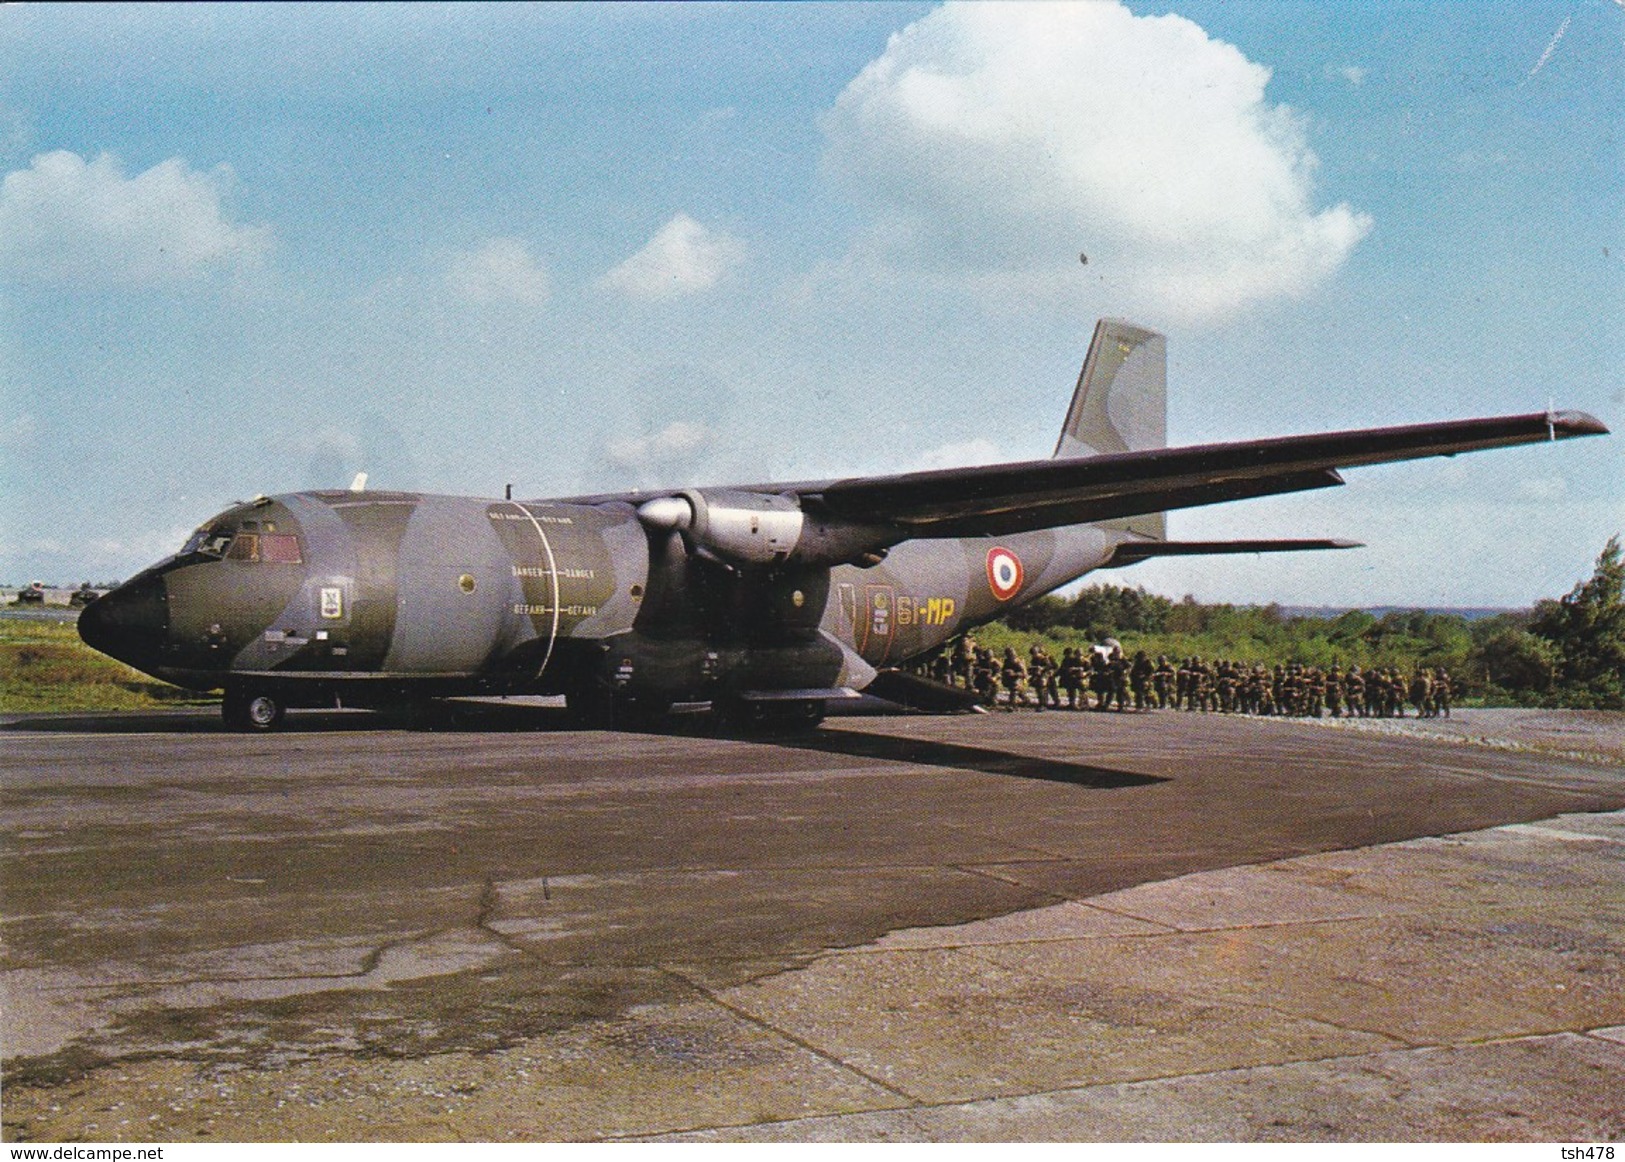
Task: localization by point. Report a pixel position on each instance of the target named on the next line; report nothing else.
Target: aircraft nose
(131, 623)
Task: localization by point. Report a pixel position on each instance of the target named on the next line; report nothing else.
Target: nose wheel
(247, 710)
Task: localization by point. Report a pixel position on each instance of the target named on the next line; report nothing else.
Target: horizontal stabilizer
(1133, 552)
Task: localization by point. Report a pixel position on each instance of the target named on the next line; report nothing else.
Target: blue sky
(253, 249)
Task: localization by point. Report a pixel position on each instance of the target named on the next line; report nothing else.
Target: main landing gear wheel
(600, 708)
(738, 717)
(245, 710)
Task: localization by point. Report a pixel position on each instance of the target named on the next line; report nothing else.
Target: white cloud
(331, 442)
(962, 455)
(66, 221)
(677, 442)
(683, 258)
(501, 270)
(1353, 74)
(996, 142)
(1542, 488)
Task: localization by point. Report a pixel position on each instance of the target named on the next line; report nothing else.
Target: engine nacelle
(758, 528)
(744, 528)
(749, 528)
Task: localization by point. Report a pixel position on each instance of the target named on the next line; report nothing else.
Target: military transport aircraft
(765, 600)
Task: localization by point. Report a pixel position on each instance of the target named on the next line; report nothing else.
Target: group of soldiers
(1103, 677)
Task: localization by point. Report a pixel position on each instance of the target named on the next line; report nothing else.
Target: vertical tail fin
(1121, 403)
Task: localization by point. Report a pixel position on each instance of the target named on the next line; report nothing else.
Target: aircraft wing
(1004, 498)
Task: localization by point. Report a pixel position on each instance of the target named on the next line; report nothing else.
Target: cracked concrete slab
(1068, 921)
(1243, 897)
(946, 1026)
(1542, 1089)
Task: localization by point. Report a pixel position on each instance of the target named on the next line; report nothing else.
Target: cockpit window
(209, 542)
(267, 547)
(280, 549)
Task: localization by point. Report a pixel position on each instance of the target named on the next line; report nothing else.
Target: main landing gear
(248, 710)
(595, 707)
(736, 716)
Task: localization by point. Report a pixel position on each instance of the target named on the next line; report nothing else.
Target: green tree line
(1568, 651)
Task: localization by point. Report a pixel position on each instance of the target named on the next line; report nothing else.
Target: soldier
(1100, 678)
(983, 680)
(1374, 685)
(1072, 678)
(1014, 676)
(1041, 672)
(1139, 679)
(1395, 694)
(1334, 691)
(1442, 690)
(1162, 682)
(964, 659)
(1202, 683)
(1246, 689)
(942, 668)
(1422, 693)
(1117, 671)
(1354, 691)
(1266, 691)
(1297, 683)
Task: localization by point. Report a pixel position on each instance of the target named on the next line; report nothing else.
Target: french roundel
(1004, 574)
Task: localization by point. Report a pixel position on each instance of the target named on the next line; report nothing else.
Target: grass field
(44, 666)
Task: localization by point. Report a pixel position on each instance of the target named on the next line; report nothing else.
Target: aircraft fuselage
(367, 598)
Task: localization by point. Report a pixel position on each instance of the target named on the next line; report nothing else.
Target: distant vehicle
(33, 595)
(765, 600)
(83, 595)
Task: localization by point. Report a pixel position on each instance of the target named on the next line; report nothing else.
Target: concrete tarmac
(1018, 926)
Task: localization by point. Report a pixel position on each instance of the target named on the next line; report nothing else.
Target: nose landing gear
(248, 710)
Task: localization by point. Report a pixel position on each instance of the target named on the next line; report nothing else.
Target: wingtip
(1577, 424)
